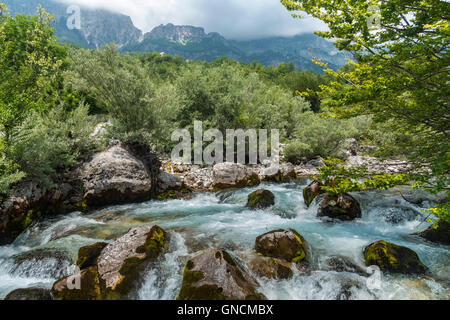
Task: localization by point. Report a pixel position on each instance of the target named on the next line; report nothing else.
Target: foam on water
(222, 220)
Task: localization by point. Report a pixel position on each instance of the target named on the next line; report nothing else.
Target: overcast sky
(234, 19)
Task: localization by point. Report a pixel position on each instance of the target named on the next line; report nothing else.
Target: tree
(31, 65)
(400, 72)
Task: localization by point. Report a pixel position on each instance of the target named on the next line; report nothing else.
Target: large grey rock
(278, 172)
(114, 176)
(233, 175)
(120, 262)
(214, 275)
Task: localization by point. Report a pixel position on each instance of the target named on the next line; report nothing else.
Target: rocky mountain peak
(177, 34)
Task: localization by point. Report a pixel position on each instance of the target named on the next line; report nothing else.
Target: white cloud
(235, 19)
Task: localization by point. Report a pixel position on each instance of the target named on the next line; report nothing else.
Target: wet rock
(171, 187)
(312, 191)
(114, 176)
(282, 244)
(42, 263)
(37, 294)
(233, 175)
(271, 268)
(214, 275)
(344, 264)
(87, 256)
(343, 207)
(120, 262)
(27, 203)
(440, 234)
(88, 288)
(393, 258)
(261, 199)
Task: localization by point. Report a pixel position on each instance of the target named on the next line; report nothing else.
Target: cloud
(234, 19)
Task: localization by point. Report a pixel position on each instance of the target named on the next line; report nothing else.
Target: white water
(221, 220)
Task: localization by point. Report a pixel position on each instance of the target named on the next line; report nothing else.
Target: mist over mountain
(99, 27)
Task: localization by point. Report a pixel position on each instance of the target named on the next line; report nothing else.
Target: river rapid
(47, 251)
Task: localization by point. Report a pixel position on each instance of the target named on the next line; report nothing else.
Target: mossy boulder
(89, 289)
(87, 256)
(393, 258)
(38, 294)
(271, 268)
(312, 191)
(282, 244)
(342, 207)
(261, 199)
(120, 262)
(440, 233)
(214, 275)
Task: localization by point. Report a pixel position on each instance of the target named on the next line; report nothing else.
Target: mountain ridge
(100, 27)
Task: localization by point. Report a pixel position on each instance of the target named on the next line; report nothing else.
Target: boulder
(89, 286)
(271, 268)
(30, 294)
(282, 244)
(214, 275)
(312, 191)
(439, 234)
(344, 264)
(114, 176)
(317, 163)
(278, 173)
(233, 175)
(342, 207)
(171, 187)
(27, 203)
(87, 255)
(261, 199)
(393, 258)
(121, 261)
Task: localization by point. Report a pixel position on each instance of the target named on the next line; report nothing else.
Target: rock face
(30, 294)
(115, 176)
(440, 234)
(271, 268)
(233, 175)
(343, 207)
(214, 275)
(89, 287)
(312, 191)
(120, 262)
(282, 244)
(87, 256)
(393, 258)
(261, 199)
(28, 203)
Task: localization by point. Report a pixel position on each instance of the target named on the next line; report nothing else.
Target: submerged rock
(439, 234)
(343, 207)
(89, 286)
(312, 191)
(120, 262)
(214, 275)
(261, 199)
(344, 264)
(87, 256)
(393, 258)
(271, 268)
(282, 244)
(114, 176)
(38, 294)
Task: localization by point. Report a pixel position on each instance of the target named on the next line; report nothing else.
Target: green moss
(155, 242)
(174, 194)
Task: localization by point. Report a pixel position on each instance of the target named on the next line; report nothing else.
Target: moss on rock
(312, 191)
(342, 207)
(440, 234)
(261, 199)
(282, 244)
(393, 258)
(89, 288)
(87, 255)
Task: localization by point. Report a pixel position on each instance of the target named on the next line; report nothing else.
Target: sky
(234, 19)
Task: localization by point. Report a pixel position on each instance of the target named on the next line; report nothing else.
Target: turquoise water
(221, 220)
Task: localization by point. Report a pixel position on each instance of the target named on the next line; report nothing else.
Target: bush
(316, 136)
(44, 145)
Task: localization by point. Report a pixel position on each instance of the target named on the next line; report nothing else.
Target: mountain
(99, 27)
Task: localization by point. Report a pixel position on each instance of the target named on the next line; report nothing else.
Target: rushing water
(47, 251)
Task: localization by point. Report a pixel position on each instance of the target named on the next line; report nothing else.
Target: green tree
(400, 72)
